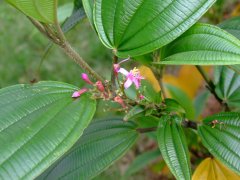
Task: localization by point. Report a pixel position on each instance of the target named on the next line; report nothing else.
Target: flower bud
(86, 79)
(100, 86)
(119, 100)
(77, 94)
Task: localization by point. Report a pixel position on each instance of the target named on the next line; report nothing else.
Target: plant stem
(113, 77)
(189, 124)
(211, 87)
(146, 130)
(186, 123)
(78, 59)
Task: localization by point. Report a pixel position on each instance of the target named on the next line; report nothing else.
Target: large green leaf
(203, 45)
(88, 7)
(227, 84)
(232, 26)
(38, 124)
(102, 144)
(223, 139)
(133, 28)
(173, 147)
(41, 10)
(142, 161)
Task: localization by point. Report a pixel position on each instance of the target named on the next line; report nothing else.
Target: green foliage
(133, 28)
(203, 44)
(103, 143)
(173, 147)
(88, 7)
(38, 124)
(227, 84)
(183, 99)
(220, 135)
(43, 11)
(142, 161)
(232, 26)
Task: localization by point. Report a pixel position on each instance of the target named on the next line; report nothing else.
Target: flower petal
(128, 83)
(123, 71)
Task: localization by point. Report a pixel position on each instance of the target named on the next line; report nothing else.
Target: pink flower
(132, 77)
(77, 94)
(100, 86)
(86, 79)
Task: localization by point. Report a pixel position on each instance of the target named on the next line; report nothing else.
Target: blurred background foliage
(22, 47)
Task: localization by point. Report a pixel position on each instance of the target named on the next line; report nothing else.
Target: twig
(185, 123)
(211, 87)
(113, 77)
(78, 59)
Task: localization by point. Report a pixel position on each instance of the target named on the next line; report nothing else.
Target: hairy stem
(113, 77)
(78, 59)
(185, 123)
(211, 87)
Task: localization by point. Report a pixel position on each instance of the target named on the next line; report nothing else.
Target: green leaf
(173, 106)
(200, 103)
(41, 10)
(233, 27)
(223, 139)
(88, 7)
(203, 45)
(183, 99)
(142, 161)
(134, 28)
(227, 84)
(103, 143)
(65, 11)
(136, 111)
(173, 147)
(38, 124)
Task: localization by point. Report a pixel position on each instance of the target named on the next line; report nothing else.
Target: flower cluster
(132, 77)
(99, 85)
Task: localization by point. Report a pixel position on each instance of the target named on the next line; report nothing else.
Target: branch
(185, 123)
(57, 37)
(211, 87)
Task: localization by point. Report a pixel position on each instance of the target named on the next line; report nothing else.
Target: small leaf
(102, 143)
(142, 161)
(211, 169)
(41, 10)
(38, 124)
(173, 147)
(227, 83)
(203, 45)
(134, 28)
(183, 99)
(223, 139)
(135, 112)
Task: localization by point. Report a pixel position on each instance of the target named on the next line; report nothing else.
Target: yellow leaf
(236, 11)
(188, 79)
(212, 169)
(149, 76)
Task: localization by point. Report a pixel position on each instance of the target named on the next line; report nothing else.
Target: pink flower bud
(86, 79)
(120, 101)
(141, 97)
(100, 86)
(77, 94)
